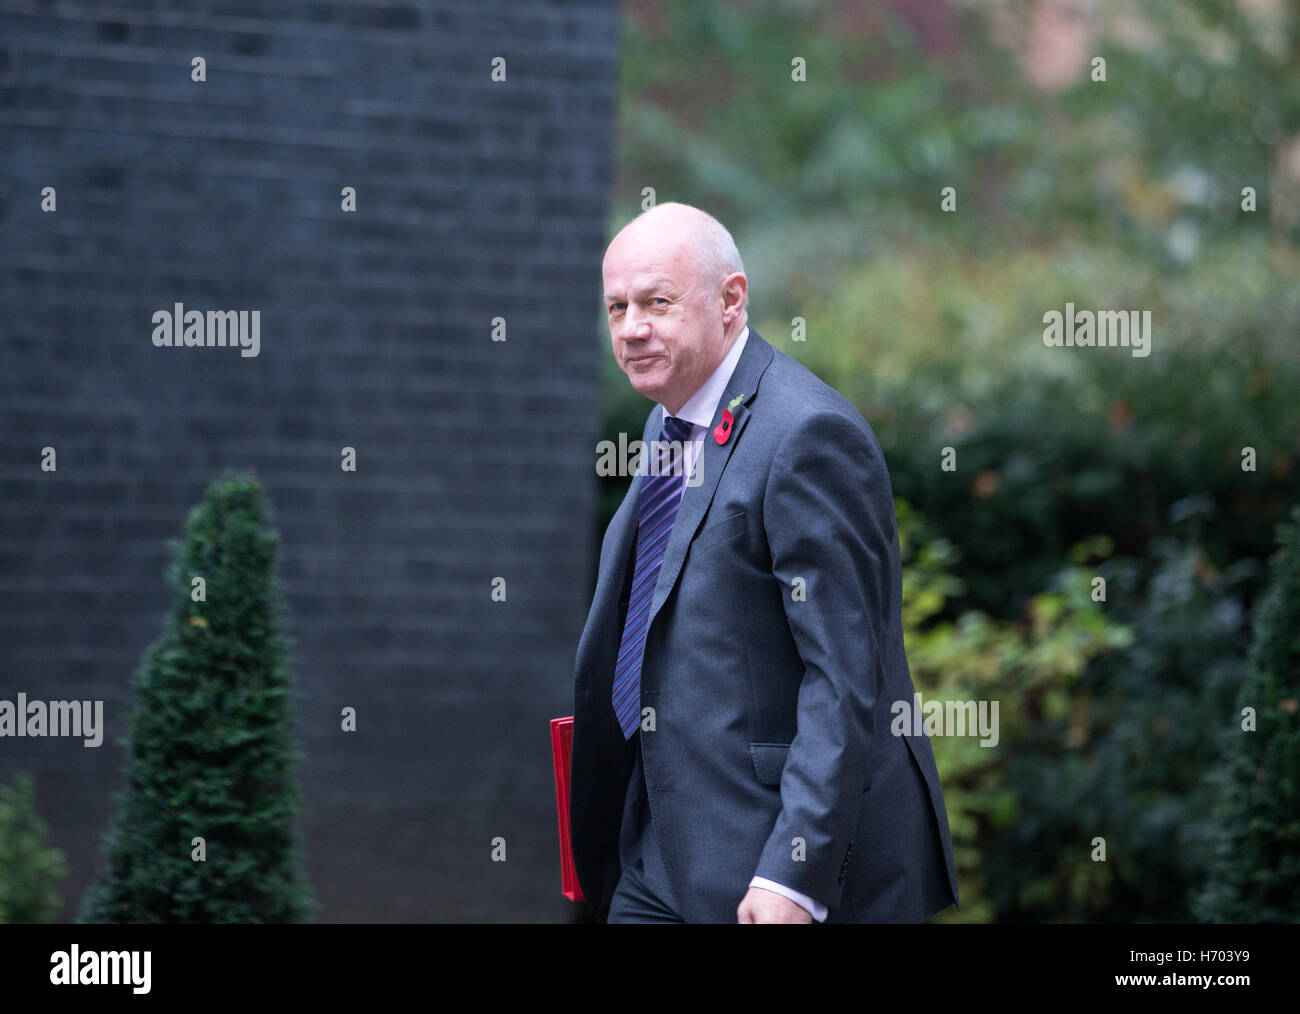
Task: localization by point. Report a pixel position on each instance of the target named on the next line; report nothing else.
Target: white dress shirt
(698, 411)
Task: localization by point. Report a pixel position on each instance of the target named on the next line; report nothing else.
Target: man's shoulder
(815, 434)
(802, 398)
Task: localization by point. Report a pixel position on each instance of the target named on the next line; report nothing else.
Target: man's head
(676, 294)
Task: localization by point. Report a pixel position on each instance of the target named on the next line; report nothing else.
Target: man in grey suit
(732, 754)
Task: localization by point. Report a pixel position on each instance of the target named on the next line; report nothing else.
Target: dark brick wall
(476, 199)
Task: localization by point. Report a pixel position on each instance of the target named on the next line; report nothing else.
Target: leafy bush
(1030, 667)
(1254, 875)
(1056, 445)
(30, 870)
(1126, 759)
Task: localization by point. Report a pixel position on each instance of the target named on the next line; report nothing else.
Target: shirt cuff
(802, 900)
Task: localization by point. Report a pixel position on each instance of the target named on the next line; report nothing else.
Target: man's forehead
(638, 282)
(647, 249)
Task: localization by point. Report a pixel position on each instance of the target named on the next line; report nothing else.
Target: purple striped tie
(661, 496)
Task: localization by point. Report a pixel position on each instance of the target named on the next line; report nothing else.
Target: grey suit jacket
(774, 652)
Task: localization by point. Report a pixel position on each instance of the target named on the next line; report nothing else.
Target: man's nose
(635, 326)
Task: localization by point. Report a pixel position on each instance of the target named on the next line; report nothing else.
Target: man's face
(665, 321)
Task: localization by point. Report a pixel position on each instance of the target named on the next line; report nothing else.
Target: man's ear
(734, 287)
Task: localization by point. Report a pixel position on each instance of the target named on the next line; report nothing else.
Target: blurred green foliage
(1028, 666)
(1056, 444)
(1254, 872)
(30, 870)
(1072, 463)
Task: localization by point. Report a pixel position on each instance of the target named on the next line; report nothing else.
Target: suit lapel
(754, 360)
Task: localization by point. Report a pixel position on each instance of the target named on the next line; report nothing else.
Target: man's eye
(660, 299)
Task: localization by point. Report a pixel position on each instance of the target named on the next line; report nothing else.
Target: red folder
(562, 751)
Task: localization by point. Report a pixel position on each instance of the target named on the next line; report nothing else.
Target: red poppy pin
(722, 432)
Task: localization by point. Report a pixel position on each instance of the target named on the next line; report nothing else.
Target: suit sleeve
(828, 513)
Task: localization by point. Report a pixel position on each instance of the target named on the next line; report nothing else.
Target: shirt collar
(699, 408)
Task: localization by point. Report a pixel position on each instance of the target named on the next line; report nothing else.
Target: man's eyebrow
(652, 287)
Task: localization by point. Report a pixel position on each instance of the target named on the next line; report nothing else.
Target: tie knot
(676, 429)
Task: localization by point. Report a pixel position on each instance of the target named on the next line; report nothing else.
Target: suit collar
(701, 406)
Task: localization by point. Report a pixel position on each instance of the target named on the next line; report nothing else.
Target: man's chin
(647, 386)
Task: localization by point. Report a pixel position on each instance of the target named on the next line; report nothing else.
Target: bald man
(732, 752)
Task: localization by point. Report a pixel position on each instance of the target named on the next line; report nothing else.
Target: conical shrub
(209, 740)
